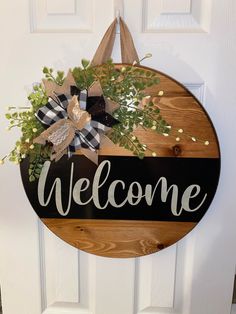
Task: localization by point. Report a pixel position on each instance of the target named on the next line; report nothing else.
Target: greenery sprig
(30, 128)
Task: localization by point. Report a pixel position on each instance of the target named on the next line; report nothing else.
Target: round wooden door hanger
(127, 206)
(136, 160)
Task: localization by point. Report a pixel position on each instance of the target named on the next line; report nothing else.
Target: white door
(195, 42)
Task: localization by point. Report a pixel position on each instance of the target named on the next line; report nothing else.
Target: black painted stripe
(181, 172)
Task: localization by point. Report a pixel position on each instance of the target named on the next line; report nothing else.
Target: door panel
(193, 41)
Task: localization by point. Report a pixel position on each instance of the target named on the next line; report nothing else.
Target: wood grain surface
(118, 238)
(135, 238)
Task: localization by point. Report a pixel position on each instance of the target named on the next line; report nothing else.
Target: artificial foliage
(123, 84)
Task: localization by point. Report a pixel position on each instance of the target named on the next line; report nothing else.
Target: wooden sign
(127, 207)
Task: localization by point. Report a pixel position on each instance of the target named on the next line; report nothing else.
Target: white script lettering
(135, 192)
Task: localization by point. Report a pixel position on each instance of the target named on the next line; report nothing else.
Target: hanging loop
(118, 13)
(104, 50)
(118, 22)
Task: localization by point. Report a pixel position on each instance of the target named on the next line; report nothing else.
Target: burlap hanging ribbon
(104, 50)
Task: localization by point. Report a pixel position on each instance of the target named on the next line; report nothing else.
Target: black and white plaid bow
(89, 136)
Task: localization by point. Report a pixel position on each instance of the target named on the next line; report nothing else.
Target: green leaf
(31, 178)
(45, 70)
(38, 170)
(85, 63)
(60, 74)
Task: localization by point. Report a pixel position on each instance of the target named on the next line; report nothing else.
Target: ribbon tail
(99, 127)
(77, 144)
(41, 139)
(52, 112)
(95, 89)
(105, 141)
(58, 156)
(111, 106)
(90, 137)
(74, 145)
(91, 155)
(52, 88)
